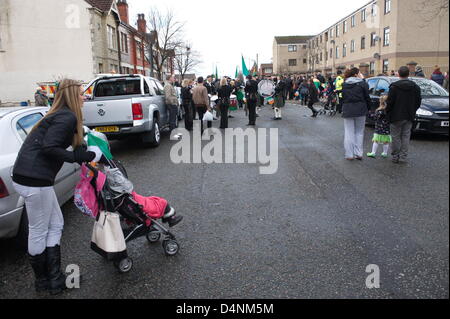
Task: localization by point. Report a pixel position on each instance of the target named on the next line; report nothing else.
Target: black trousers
(311, 107)
(251, 112)
(201, 112)
(188, 116)
(224, 116)
(173, 113)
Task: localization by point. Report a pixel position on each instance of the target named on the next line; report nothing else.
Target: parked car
(124, 105)
(15, 124)
(432, 117)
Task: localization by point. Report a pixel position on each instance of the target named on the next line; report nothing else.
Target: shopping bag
(86, 195)
(107, 237)
(208, 117)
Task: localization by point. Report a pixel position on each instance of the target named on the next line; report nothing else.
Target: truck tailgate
(108, 113)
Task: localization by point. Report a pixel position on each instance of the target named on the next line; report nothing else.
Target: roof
(294, 39)
(11, 109)
(102, 5)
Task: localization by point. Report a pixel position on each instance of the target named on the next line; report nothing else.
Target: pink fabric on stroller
(153, 207)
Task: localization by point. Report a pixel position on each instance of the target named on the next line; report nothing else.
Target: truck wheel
(153, 138)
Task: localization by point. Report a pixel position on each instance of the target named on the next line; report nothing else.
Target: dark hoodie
(403, 101)
(356, 99)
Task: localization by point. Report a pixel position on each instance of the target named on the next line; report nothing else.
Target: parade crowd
(347, 93)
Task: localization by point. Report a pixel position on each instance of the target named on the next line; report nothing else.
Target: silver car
(15, 124)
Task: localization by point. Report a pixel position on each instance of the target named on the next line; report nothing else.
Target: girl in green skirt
(382, 134)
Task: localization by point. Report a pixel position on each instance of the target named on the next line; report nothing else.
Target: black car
(432, 117)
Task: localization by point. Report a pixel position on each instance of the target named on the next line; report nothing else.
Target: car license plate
(107, 129)
(445, 124)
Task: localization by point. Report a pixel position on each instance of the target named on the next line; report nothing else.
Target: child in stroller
(139, 216)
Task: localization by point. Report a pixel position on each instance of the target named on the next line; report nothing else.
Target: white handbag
(208, 117)
(107, 237)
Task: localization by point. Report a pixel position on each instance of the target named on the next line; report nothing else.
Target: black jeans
(251, 112)
(311, 107)
(201, 112)
(224, 116)
(188, 120)
(173, 113)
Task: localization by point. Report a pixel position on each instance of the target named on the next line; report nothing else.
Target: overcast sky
(223, 30)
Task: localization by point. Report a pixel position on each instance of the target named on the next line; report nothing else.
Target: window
(344, 50)
(331, 53)
(353, 21)
(382, 88)
(373, 39)
(331, 33)
(292, 62)
(385, 66)
(363, 43)
(304, 61)
(363, 15)
(138, 50)
(374, 9)
(387, 36)
(372, 68)
(372, 85)
(118, 88)
(387, 6)
(304, 46)
(345, 26)
(321, 56)
(321, 38)
(112, 43)
(337, 53)
(352, 46)
(338, 30)
(100, 68)
(124, 42)
(292, 48)
(26, 124)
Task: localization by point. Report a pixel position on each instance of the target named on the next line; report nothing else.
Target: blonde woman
(224, 93)
(41, 157)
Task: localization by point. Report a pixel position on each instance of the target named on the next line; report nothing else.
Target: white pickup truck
(124, 105)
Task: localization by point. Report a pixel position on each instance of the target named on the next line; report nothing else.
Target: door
(160, 101)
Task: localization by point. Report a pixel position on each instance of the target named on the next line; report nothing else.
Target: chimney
(142, 24)
(122, 5)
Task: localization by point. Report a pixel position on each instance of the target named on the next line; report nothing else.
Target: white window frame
(353, 21)
(292, 48)
(387, 6)
(386, 36)
(363, 15)
(352, 46)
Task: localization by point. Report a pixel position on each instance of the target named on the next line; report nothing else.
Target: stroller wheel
(153, 236)
(170, 247)
(124, 265)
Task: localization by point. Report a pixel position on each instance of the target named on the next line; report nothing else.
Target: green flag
(98, 145)
(244, 68)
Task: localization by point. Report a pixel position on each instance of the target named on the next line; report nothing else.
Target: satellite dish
(377, 56)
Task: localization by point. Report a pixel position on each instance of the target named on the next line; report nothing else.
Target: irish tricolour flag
(99, 147)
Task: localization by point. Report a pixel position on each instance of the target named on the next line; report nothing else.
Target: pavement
(308, 231)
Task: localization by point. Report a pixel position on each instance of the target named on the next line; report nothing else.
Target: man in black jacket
(402, 104)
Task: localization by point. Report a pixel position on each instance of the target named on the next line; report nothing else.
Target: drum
(266, 88)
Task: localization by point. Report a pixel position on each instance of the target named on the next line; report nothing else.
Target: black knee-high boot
(56, 277)
(39, 265)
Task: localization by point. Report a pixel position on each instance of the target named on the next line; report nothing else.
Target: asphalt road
(308, 231)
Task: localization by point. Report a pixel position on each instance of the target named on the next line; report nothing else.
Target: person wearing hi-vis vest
(338, 84)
